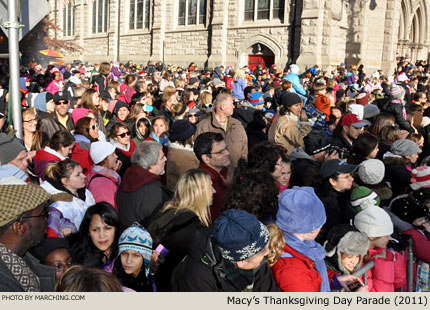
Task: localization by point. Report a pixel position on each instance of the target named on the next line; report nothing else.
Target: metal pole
(14, 93)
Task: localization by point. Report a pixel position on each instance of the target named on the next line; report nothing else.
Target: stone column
(391, 36)
(158, 29)
(82, 30)
(219, 33)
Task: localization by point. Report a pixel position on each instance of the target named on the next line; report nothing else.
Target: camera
(354, 286)
(343, 154)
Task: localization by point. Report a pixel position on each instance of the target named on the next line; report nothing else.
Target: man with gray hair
(141, 194)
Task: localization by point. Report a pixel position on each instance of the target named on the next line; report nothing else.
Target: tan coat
(235, 138)
(179, 160)
(286, 132)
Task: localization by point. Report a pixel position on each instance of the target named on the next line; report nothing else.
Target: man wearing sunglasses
(60, 119)
(23, 216)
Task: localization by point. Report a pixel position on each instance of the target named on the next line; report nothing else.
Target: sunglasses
(94, 127)
(192, 115)
(124, 134)
(61, 102)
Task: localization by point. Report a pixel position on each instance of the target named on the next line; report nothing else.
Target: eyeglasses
(33, 120)
(61, 102)
(94, 127)
(192, 115)
(45, 213)
(219, 152)
(61, 267)
(122, 135)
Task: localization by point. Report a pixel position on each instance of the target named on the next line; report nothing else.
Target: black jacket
(51, 125)
(397, 110)
(397, 174)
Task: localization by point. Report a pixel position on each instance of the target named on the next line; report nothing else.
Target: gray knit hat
(9, 148)
(396, 91)
(371, 171)
(404, 147)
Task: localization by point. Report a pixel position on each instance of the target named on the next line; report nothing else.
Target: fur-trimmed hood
(394, 160)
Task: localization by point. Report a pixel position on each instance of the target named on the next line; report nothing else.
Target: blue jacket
(238, 87)
(295, 80)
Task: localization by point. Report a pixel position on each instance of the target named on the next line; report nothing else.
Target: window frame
(146, 24)
(256, 11)
(68, 11)
(197, 16)
(94, 17)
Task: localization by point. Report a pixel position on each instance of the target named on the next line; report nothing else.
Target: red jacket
(297, 273)
(82, 156)
(41, 160)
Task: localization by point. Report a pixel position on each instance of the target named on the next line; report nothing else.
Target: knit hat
(333, 166)
(138, 239)
(362, 99)
(357, 110)
(315, 142)
(370, 110)
(120, 104)
(350, 119)
(404, 147)
(256, 99)
(49, 246)
(420, 177)
(300, 210)
(346, 239)
(61, 95)
(374, 221)
(75, 80)
(396, 91)
(99, 150)
(288, 99)
(9, 148)
(408, 208)
(402, 77)
(19, 198)
(79, 113)
(294, 68)
(181, 130)
(363, 197)
(371, 171)
(239, 235)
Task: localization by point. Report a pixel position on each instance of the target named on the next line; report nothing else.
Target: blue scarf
(162, 141)
(313, 251)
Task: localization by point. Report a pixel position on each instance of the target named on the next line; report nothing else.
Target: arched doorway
(259, 54)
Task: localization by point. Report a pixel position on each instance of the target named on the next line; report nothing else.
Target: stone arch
(270, 43)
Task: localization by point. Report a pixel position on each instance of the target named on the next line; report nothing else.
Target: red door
(263, 60)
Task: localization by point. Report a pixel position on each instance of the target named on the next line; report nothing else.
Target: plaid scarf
(19, 269)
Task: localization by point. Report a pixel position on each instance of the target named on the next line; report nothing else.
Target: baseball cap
(351, 119)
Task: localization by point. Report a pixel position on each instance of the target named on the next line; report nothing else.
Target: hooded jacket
(140, 195)
(398, 174)
(103, 184)
(304, 169)
(81, 153)
(43, 158)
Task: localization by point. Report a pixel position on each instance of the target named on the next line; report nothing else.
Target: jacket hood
(46, 155)
(136, 177)
(394, 160)
(300, 153)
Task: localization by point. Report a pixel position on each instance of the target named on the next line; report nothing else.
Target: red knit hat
(420, 177)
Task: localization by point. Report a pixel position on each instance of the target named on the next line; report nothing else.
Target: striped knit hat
(396, 91)
(420, 177)
(363, 197)
(255, 99)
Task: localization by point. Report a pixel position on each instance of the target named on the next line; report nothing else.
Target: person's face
(76, 179)
(93, 130)
(95, 98)
(353, 132)
(284, 178)
(350, 261)
(380, 242)
(336, 113)
(193, 118)
(228, 107)
(296, 108)
(20, 160)
(57, 76)
(159, 127)
(29, 123)
(61, 260)
(62, 107)
(158, 168)
(123, 112)
(123, 136)
(374, 152)
(412, 158)
(172, 100)
(66, 150)
(111, 161)
(132, 262)
(255, 261)
(50, 106)
(112, 93)
(344, 182)
(142, 129)
(278, 168)
(37, 220)
(220, 156)
(102, 235)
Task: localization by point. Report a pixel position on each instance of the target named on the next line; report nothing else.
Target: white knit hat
(100, 150)
(371, 171)
(374, 221)
(420, 177)
(357, 109)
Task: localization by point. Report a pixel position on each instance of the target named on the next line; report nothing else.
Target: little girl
(283, 180)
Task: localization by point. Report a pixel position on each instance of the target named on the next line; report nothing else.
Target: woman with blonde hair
(32, 139)
(186, 213)
(205, 100)
(239, 84)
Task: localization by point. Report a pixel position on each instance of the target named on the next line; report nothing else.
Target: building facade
(241, 32)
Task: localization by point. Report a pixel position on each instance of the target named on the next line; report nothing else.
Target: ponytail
(62, 169)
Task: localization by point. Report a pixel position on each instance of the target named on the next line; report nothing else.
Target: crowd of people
(161, 178)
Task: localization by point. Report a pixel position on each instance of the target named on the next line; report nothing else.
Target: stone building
(240, 32)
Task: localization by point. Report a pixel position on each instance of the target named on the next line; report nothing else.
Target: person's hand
(332, 155)
(156, 260)
(118, 165)
(362, 289)
(66, 231)
(303, 116)
(347, 280)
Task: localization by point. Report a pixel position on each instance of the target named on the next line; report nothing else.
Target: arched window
(192, 12)
(264, 10)
(99, 15)
(139, 14)
(68, 18)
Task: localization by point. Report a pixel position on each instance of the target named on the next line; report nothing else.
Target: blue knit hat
(300, 210)
(255, 99)
(138, 239)
(239, 235)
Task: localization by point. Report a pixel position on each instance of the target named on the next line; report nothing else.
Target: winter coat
(43, 158)
(253, 122)
(124, 155)
(100, 83)
(219, 183)
(398, 174)
(140, 195)
(51, 125)
(81, 153)
(45, 274)
(304, 169)
(180, 159)
(69, 211)
(238, 87)
(342, 143)
(421, 244)
(294, 78)
(388, 274)
(54, 87)
(294, 272)
(127, 93)
(397, 110)
(288, 132)
(103, 184)
(235, 138)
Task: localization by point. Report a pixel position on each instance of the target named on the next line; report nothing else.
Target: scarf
(162, 141)
(313, 251)
(402, 102)
(26, 278)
